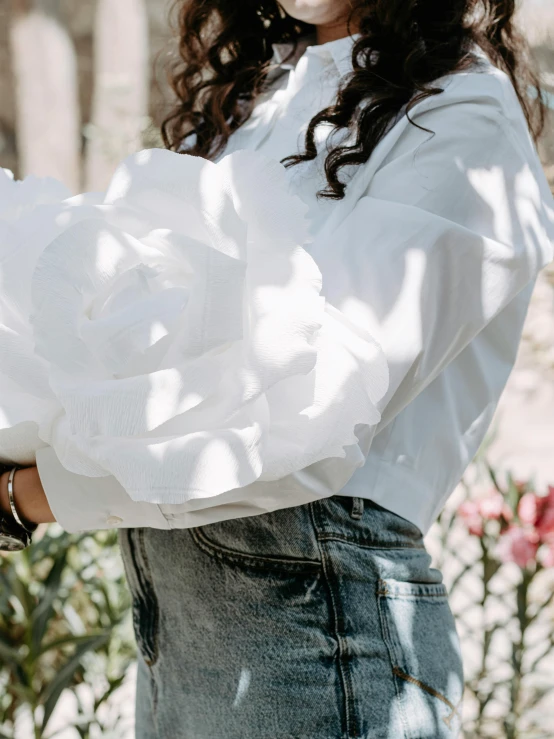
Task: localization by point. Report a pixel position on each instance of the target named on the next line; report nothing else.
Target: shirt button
(114, 520)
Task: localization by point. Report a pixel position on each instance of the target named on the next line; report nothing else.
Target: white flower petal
(19, 443)
(135, 405)
(197, 464)
(181, 193)
(321, 410)
(28, 211)
(18, 198)
(80, 263)
(124, 340)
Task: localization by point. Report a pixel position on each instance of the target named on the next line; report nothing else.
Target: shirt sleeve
(457, 220)
(454, 222)
(82, 503)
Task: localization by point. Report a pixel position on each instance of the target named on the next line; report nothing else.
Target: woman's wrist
(29, 497)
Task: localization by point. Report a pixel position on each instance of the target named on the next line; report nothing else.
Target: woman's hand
(29, 496)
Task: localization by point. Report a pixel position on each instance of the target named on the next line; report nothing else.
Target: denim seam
(147, 601)
(382, 594)
(152, 595)
(415, 596)
(419, 591)
(383, 545)
(343, 656)
(230, 555)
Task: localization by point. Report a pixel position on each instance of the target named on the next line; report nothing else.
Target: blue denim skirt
(324, 621)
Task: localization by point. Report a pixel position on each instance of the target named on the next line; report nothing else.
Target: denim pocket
(424, 649)
(145, 609)
(283, 540)
(257, 561)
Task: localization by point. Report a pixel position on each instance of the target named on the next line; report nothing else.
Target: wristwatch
(15, 535)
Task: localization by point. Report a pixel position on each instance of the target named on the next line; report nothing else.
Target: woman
(405, 126)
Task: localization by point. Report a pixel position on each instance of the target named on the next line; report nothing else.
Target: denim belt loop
(357, 508)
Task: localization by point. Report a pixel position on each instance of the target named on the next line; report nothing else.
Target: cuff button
(114, 520)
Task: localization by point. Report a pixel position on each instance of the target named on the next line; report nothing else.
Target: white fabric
(434, 252)
(184, 345)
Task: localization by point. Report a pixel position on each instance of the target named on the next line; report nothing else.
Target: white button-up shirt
(434, 250)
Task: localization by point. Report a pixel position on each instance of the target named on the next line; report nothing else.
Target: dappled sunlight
(490, 185)
(210, 354)
(242, 687)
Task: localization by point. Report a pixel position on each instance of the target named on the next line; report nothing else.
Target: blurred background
(82, 85)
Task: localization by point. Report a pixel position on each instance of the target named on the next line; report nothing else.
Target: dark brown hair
(225, 47)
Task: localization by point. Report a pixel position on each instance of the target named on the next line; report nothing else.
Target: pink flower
(538, 511)
(470, 513)
(544, 521)
(518, 545)
(493, 506)
(530, 508)
(545, 526)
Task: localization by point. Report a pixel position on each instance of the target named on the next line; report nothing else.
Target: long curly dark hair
(225, 48)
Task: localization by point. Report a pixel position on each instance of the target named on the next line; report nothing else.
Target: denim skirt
(323, 621)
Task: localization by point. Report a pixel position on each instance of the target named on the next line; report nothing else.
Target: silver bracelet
(12, 501)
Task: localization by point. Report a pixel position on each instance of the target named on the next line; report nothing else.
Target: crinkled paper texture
(172, 332)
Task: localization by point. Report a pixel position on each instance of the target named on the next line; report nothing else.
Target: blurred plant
(524, 523)
(64, 621)
(510, 581)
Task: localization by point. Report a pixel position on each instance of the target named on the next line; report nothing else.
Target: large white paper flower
(20, 197)
(25, 397)
(188, 349)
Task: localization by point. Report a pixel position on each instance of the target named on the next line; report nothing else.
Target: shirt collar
(339, 52)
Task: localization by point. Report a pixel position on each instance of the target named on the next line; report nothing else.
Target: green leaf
(43, 613)
(4, 581)
(9, 654)
(106, 606)
(49, 546)
(24, 692)
(65, 675)
(70, 639)
(18, 588)
(493, 477)
(513, 493)
(113, 686)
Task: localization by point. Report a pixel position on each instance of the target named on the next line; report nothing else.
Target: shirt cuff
(81, 503)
